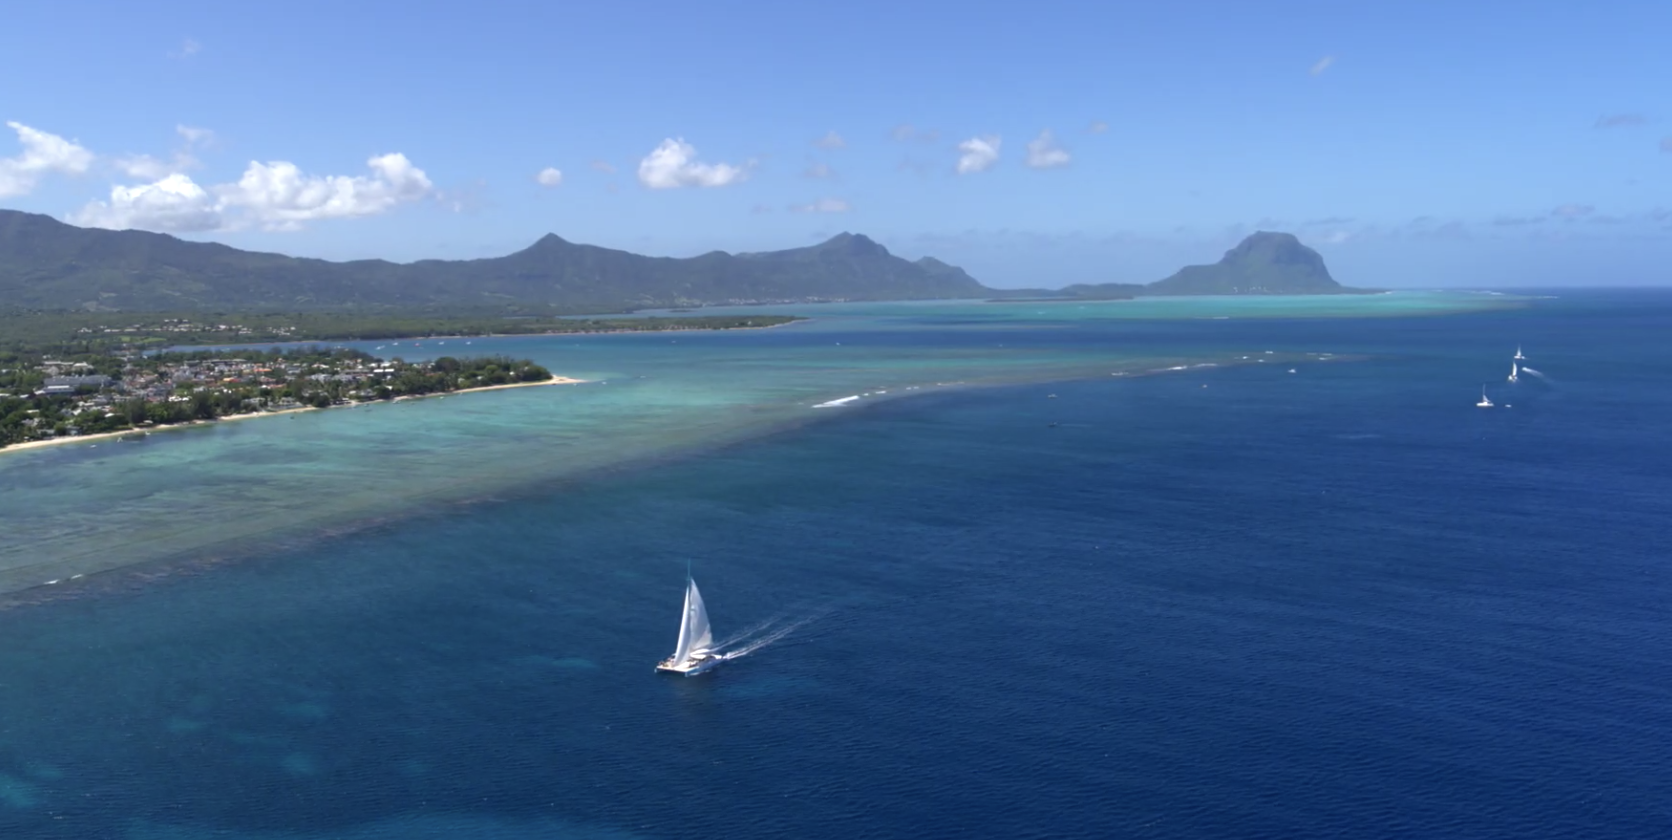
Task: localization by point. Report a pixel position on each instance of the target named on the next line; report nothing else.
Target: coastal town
(46, 398)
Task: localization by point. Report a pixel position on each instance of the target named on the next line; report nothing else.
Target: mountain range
(46, 264)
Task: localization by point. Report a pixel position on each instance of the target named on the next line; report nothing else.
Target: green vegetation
(48, 265)
(166, 388)
(101, 332)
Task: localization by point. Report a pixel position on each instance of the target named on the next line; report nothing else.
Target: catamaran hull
(690, 669)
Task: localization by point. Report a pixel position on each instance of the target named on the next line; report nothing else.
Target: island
(77, 396)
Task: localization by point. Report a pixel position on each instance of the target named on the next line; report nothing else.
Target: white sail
(1514, 371)
(694, 633)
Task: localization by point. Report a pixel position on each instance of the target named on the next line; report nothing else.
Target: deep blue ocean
(1222, 603)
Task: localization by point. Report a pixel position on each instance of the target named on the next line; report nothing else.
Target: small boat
(1514, 372)
(694, 652)
(1484, 402)
(1518, 356)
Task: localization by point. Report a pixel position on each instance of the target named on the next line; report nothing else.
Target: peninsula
(84, 395)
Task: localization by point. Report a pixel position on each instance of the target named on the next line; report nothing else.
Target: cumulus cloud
(978, 154)
(1321, 65)
(148, 168)
(551, 176)
(42, 153)
(831, 140)
(195, 137)
(1097, 127)
(1043, 152)
(274, 196)
(174, 204)
(1619, 120)
(1572, 211)
(278, 196)
(819, 170)
(673, 164)
(823, 205)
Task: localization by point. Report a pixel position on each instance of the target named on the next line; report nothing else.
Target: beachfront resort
(51, 398)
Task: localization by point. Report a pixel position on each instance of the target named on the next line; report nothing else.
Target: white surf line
(837, 402)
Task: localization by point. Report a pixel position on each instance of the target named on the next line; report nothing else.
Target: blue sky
(1413, 144)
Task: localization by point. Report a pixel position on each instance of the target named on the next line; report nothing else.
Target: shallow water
(1223, 602)
(233, 488)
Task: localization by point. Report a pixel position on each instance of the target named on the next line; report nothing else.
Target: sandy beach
(93, 439)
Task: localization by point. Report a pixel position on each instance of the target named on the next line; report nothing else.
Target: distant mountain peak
(1263, 263)
(857, 244)
(47, 264)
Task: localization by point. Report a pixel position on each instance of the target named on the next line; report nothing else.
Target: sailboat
(1514, 372)
(1484, 402)
(694, 653)
(1518, 356)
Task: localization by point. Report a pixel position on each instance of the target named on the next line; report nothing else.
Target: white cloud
(831, 141)
(274, 196)
(978, 154)
(1097, 127)
(823, 205)
(549, 177)
(278, 196)
(148, 168)
(673, 164)
(1043, 152)
(42, 153)
(819, 170)
(195, 137)
(1322, 65)
(173, 204)
(188, 48)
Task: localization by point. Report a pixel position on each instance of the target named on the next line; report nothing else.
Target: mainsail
(694, 634)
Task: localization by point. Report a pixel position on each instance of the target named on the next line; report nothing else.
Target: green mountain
(46, 264)
(1264, 263)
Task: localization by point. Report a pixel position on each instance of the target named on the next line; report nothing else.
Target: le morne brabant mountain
(46, 264)
(1263, 264)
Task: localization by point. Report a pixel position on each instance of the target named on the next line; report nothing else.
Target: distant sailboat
(694, 652)
(1484, 402)
(1514, 372)
(1518, 356)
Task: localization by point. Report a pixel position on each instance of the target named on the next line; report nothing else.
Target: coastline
(94, 438)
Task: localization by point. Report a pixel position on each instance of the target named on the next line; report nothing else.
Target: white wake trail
(766, 634)
(1537, 374)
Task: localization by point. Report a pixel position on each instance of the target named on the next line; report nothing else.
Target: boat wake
(1535, 373)
(761, 635)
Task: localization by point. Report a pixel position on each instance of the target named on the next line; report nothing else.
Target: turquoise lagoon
(194, 495)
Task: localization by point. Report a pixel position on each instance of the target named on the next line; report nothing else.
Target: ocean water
(1224, 601)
